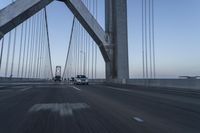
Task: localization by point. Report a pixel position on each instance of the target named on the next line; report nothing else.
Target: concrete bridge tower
(117, 36)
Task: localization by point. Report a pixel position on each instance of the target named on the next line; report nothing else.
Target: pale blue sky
(177, 31)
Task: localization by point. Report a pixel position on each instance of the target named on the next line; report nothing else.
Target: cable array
(148, 43)
(25, 51)
(83, 52)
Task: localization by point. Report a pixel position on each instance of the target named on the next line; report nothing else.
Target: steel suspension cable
(73, 55)
(48, 42)
(93, 43)
(96, 16)
(78, 50)
(8, 53)
(31, 47)
(81, 47)
(146, 44)
(85, 53)
(150, 40)
(36, 46)
(153, 40)
(1, 56)
(76, 47)
(70, 43)
(39, 48)
(13, 53)
(20, 49)
(24, 50)
(39, 45)
(43, 48)
(28, 48)
(143, 56)
(89, 43)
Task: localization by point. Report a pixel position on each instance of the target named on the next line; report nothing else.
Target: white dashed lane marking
(25, 89)
(76, 88)
(138, 119)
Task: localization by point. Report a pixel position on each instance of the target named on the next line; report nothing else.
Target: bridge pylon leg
(117, 70)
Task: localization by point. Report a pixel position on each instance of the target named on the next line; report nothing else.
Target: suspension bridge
(115, 101)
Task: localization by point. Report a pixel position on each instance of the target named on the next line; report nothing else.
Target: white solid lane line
(138, 119)
(76, 88)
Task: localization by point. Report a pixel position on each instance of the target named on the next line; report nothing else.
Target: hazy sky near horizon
(177, 36)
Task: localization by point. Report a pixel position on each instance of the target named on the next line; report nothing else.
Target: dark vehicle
(81, 80)
(57, 78)
(71, 80)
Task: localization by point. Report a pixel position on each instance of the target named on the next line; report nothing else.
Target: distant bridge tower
(58, 74)
(58, 71)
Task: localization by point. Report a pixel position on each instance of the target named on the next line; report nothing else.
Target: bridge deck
(40, 107)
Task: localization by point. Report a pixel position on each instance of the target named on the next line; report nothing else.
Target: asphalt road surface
(63, 108)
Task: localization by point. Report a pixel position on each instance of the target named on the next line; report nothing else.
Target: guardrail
(3, 79)
(173, 83)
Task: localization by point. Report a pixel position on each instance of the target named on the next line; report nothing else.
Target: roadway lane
(62, 108)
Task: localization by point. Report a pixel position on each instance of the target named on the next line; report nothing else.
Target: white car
(81, 80)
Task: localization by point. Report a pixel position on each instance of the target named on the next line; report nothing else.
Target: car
(81, 80)
(71, 80)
